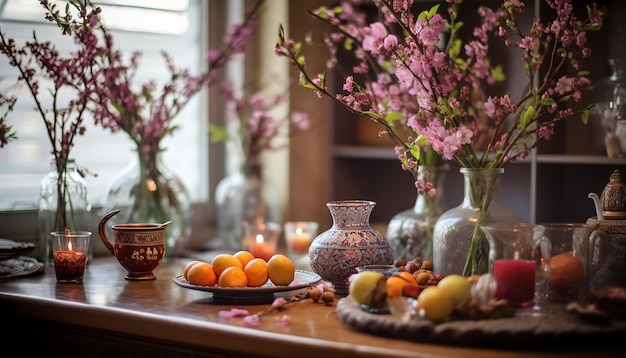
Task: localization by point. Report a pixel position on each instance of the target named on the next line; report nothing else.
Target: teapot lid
(613, 197)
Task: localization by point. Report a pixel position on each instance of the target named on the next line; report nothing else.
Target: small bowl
(387, 270)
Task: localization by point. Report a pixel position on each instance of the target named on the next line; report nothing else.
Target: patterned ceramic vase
(350, 242)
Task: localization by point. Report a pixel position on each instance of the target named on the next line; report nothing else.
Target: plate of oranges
(241, 278)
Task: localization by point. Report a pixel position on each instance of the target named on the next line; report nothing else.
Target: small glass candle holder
(299, 236)
(262, 239)
(69, 253)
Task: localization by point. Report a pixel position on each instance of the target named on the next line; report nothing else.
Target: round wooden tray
(556, 330)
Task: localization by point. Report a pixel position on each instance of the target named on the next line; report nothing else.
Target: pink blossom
(233, 312)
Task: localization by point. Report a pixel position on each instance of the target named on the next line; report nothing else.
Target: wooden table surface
(162, 314)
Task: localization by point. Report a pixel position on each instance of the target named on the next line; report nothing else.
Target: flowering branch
(257, 126)
(320, 293)
(447, 82)
(7, 133)
(39, 62)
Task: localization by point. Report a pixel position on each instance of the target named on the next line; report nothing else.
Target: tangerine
(201, 274)
(397, 282)
(187, 267)
(244, 257)
(566, 270)
(233, 277)
(281, 270)
(223, 261)
(256, 271)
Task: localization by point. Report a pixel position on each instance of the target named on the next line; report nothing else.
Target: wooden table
(109, 316)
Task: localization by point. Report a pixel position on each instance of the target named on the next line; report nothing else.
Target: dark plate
(252, 295)
(10, 248)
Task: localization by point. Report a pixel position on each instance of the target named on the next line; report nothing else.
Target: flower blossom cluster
(258, 125)
(415, 67)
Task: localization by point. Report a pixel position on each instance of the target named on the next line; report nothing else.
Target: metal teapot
(611, 204)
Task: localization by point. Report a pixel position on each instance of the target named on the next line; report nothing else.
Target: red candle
(69, 266)
(262, 249)
(515, 281)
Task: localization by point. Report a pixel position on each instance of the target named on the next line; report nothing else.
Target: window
(138, 25)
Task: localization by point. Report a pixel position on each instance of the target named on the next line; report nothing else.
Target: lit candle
(300, 241)
(262, 249)
(69, 266)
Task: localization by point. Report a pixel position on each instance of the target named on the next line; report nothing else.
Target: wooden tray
(556, 330)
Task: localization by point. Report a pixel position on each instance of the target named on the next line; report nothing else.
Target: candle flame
(259, 238)
(299, 231)
(69, 246)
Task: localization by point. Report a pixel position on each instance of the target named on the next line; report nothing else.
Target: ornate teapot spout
(597, 204)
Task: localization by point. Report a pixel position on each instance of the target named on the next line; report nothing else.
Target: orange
(566, 270)
(233, 277)
(281, 270)
(256, 271)
(187, 267)
(410, 279)
(223, 261)
(244, 257)
(397, 282)
(201, 274)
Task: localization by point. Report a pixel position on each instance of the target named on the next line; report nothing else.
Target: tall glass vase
(459, 245)
(410, 232)
(63, 205)
(148, 192)
(241, 201)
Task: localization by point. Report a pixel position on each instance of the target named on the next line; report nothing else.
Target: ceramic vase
(148, 192)
(410, 232)
(63, 205)
(350, 242)
(459, 245)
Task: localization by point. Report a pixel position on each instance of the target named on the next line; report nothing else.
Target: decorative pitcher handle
(103, 233)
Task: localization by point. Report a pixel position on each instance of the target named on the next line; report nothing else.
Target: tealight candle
(299, 236)
(300, 241)
(262, 249)
(262, 239)
(69, 253)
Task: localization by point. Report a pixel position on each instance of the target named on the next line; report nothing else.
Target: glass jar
(459, 245)
(410, 232)
(241, 201)
(63, 205)
(609, 98)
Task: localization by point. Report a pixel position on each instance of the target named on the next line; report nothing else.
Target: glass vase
(350, 242)
(63, 206)
(609, 98)
(410, 232)
(146, 191)
(241, 202)
(459, 245)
